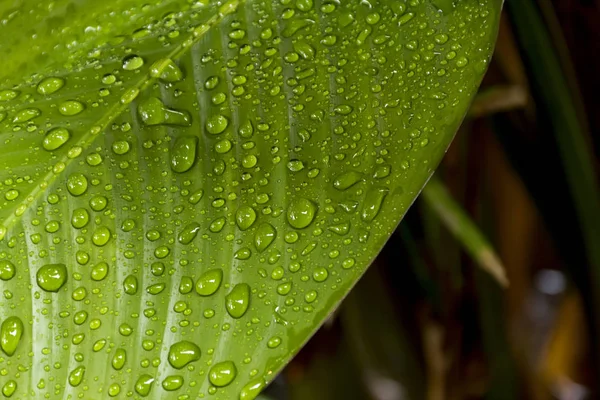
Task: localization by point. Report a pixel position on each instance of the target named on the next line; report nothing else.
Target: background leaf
(190, 188)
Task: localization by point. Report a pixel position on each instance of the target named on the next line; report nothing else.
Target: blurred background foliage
(490, 287)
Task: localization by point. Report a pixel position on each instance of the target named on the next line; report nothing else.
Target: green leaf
(189, 188)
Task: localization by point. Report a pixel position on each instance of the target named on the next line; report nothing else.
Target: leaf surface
(188, 188)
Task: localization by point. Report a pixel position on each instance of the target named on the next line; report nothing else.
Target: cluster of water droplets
(231, 180)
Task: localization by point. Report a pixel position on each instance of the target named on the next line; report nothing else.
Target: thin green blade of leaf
(189, 188)
(437, 197)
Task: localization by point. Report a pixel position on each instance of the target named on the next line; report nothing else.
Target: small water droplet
(182, 353)
(217, 124)
(143, 385)
(76, 376)
(183, 153)
(55, 139)
(119, 359)
(222, 374)
(209, 282)
(70, 107)
(152, 111)
(238, 300)
(172, 382)
(252, 389)
(50, 85)
(264, 236)
(130, 285)
(347, 180)
(132, 62)
(7, 270)
(77, 184)
(372, 203)
(245, 217)
(301, 212)
(51, 277)
(11, 332)
(166, 70)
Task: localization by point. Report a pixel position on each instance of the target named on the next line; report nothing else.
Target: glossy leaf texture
(188, 188)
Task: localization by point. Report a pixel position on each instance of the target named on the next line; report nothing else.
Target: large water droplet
(76, 376)
(346, 180)
(183, 153)
(11, 332)
(172, 382)
(222, 374)
(217, 124)
(80, 218)
(7, 270)
(9, 388)
(50, 85)
(372, 204)
(99, 271)
(252, 389)
(301, 212)
(245, 217)
(238, 300)
(51, 277)
(130, 285)
(119, 359)
(166, 70)
(26, 114)
(182, 353)
(132, 62)
(55, 139)
(152, 111)
(209, 282)
(77, 184)
(70, 107)
(264, 236)
(189, 233)
(143, 385)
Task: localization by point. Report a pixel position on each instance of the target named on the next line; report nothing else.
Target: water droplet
(217, 124)
(98, 203)
(183, 153)
(99, 271)
(55, 139)
(130, 285)
(143, 385)
(246, 129)
(132, 62)
(252, 389)
(189, 233)
(101, 236)
(50, 85)
(76, 376)
(243, 254)
(245, 217)
(8, 94)
(320, 274)
(11, 332)
(152, 111)
(222, 374)
(211, 82)
(121, 147)
(77, 184)
(80, 218)
(9, 388)
(26, 114)
(238, 300)
(346, 180)
(155, 289)
(209, 282)
(11, 194)
(70, 107)
(119, 359)
(301, 212)
(264, 236)
(274, 342)
(340, 229)
(51, 277)
(295, 165)
(372, 204)
(172, 382)
(166, 70)
(196, 196)
(7, 270)
(217, 225)
(182, 353)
